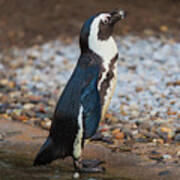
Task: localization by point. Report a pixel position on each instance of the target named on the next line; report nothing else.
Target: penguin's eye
(106, 21)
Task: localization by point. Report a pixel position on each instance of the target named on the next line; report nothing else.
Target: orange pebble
(115, 131)
(119, 135)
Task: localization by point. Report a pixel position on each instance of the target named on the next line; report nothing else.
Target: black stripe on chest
(105, 84)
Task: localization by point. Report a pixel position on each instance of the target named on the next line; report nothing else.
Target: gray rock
(164, 173)
(177, 137)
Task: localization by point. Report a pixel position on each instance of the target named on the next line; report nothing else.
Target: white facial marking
(78, 141)
(105, 17)
(106, 49)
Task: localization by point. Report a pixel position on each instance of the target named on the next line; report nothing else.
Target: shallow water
(19, 167)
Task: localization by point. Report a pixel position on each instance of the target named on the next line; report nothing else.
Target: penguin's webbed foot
(92, 166)
(92, 162)
(88, 166)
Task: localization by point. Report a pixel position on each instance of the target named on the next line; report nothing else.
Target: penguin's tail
(47, 153)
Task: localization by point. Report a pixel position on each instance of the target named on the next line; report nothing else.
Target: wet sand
(21, 143)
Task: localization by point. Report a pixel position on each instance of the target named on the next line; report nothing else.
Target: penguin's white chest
(107, 50)
(106, 86)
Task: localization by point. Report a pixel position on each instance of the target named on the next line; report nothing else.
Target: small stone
(124, 113)
(167, 156)
(46, 123)
(145, 125)
(163, 28)
(42, 109)
(17, 112)
(105, 134)
(119, 135)
(165, 133)
(155, 156)
(115, 131)
(148, 32)
(6, 82)
(177, 83)
(1, 137)
(149, 135)
(135, 132)
(164, 173)
(76, 175)
(125, 148)
(30, 113)
(139, 89)
(111, 117)
(22, 118)
(163, 136)
(177, 138)
(28, 106)
(178, 153)
(134, 113)
(165, 129)
(159, 141)
(153, 113)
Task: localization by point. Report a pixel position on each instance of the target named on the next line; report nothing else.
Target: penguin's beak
(117, 15)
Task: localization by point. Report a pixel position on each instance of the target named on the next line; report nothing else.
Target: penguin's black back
(65, 125)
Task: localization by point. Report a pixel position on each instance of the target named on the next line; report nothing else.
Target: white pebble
(178, 153)
(76, 175)
(167, 156)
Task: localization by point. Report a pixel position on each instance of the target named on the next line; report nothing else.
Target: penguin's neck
(106, 49)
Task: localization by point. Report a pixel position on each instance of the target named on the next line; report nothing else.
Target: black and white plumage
(87, 94)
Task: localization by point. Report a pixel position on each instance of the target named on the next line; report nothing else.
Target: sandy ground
(24, 141)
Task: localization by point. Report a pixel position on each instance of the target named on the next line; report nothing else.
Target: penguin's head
(99, 27)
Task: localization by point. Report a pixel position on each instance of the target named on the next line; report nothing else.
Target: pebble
(158, 141)
(119, 135)
(167, 156)
(155, 156)
(178, 153)
(164, 173)
(177, 138)
(76, 175)
(1, 137)
(134, 132)
(46, 123)
(28, 106)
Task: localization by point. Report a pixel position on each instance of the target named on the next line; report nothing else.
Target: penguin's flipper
(47, 153)
(90, 101)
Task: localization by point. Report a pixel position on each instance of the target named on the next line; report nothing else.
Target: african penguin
(87, 94)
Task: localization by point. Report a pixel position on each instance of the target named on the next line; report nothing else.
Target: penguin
(87, 95)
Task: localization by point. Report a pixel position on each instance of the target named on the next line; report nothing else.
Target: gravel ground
(144, 109)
